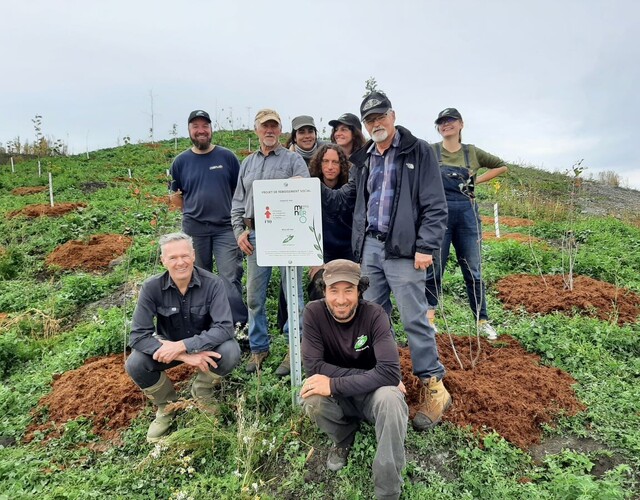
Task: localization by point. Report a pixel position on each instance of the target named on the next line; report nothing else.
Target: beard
(269, 141)
(380, 135)
(201, 143)
(344, 316)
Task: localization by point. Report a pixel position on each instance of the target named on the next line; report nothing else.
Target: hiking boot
(337, 457)
(434, 401)
(255, 361)
(486, 329)
(285, 367)
(161, 393)
(204, 385)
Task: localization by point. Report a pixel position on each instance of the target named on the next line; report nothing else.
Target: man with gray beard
(399, 219)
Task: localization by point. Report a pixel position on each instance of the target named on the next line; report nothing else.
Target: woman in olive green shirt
(459, 164)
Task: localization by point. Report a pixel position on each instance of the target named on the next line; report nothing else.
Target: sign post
(288, 225)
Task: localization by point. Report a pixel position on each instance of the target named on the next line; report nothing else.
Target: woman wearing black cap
(347, 133)
(459, 164)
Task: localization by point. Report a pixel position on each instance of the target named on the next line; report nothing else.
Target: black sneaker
(337, 458)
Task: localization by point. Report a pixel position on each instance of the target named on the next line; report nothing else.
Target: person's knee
(137, 366)
(230, 357)
(390, 401)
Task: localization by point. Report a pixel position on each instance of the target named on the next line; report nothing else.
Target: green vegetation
(258, 446)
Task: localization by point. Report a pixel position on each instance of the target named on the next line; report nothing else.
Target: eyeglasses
(371, 120)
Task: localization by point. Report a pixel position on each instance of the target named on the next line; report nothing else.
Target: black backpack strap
(465, 150)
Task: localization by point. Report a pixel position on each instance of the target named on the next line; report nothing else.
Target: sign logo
(300, 211)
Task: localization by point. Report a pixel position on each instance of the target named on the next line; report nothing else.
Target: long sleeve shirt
(277, 164)
(359, 356)
(201, 317)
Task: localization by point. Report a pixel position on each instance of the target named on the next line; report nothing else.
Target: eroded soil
(545, 294)
(92, 255)
(507, 221)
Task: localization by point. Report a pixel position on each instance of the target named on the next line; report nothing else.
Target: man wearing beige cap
(353, 368)
(271, 161)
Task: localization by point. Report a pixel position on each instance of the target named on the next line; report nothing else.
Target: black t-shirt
(359, 356)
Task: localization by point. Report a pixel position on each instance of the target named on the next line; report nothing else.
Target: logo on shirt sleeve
(360, 343)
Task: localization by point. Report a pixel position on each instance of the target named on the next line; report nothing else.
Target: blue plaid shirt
(381, 185)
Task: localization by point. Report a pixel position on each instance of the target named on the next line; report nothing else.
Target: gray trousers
(386, 409)
(145, 371)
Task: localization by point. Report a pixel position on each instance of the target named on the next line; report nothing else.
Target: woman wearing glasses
(459, 164)
(331, 166)
(347, 133)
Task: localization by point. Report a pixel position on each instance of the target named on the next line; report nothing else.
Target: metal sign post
(288, 225)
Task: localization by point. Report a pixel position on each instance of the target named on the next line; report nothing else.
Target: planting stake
(167, 172)
(496, 219)
(13, 170)
(294, 331)
(39, 169)
(50, 188)
(129, 173)
(249, 143)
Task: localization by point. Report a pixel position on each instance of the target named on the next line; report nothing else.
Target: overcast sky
(542, 83)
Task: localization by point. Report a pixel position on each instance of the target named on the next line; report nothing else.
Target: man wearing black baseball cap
(399, 219)
(204, 180)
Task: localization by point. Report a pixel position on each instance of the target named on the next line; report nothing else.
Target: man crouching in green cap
(193, 326)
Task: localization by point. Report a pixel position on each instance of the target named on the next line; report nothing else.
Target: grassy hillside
(258, 446)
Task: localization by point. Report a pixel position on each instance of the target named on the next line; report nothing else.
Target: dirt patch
(92, 187)
(545, 294)
(507, 391)
(601, 455)
(93, 255)
(3, 317)
(47, 210)
(23, 191)
(171, 201)
(507, 221)
(519, 237)
(100, 390)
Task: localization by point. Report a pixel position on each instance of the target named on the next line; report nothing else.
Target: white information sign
(288, 222)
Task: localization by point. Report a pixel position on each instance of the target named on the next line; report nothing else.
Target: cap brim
(376, 111)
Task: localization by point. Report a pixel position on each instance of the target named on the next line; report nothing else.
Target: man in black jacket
(399, 219)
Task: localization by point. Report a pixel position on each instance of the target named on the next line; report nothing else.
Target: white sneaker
(487, 330)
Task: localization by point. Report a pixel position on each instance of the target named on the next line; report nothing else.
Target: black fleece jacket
(419, 210)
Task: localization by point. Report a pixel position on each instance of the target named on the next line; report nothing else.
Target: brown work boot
(285, 367)
(255, 361)
(434, 401)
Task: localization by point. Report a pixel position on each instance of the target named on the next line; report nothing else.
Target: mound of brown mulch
(47, 210)
(507, 391)
(507, 221)
(545, 294)
(93, 255)
(99, 390)
(23, 191)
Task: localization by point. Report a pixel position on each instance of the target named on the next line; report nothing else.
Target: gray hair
(168, 238)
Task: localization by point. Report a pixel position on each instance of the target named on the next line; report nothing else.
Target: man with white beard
(399, 220)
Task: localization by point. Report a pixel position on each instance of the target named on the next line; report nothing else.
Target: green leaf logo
(360, 342)
(288, 239)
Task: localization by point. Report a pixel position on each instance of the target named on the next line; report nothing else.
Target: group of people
(391, 207)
